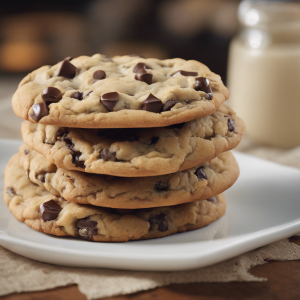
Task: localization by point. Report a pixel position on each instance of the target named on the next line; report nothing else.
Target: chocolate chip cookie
(136, 152)
(198, 183)
(39, 209)
(119, 92)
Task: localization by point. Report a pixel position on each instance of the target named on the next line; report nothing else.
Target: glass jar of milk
(264, 71)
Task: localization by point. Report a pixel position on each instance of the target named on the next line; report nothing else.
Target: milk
(264, 74)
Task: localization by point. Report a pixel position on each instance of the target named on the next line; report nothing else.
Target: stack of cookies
(122, 149)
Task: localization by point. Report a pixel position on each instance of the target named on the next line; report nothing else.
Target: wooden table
(283, 283)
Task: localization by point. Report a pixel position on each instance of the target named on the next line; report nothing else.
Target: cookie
(198, 183)
(42, 211)
(135, 152)
(119, 92)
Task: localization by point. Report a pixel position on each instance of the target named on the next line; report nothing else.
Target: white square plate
(263, 206)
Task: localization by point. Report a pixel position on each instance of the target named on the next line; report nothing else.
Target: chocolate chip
(68, 58)
(75, 160)
(26, 152)
(231, 125)
(142, 75)
(77, 95)
(61, 133)
(185, 73)
(39, 110)
(49, 210)
(69, 143)
(109, 100)
(11, 191)
(202, 84)
(208, 96)
(161, 186)
(89, 93)
(213, 200)
(51, 94)
(139, 66)
(169, 104)
(66, 69)
(99, 75)
(154, 140)
(200, 174)
(159, 220)
(152, 104)
(106, 155)
(87, 228)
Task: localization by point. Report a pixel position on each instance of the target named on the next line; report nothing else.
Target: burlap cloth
(19, 274)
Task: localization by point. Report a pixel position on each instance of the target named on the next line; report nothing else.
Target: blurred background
(34, 33)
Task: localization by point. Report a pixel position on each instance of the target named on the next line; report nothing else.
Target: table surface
(283, 283)
(283, 277)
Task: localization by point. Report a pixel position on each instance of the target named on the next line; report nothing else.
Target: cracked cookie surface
(198, 183)
(137, 152)
(42, 211)
(119, 92)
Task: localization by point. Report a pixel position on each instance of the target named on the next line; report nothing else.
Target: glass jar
(264, 71)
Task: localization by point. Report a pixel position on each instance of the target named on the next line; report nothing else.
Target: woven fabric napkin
(20, 274)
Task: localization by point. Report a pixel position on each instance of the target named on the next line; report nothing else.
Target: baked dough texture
(168, 83)
(137, 152)
(25, 199)
(216, 176)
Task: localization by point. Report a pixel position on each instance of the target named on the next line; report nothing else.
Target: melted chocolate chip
(99, 75)
(86, 228)
(49, 210)
(169, 104)
(159, 220)
(154, 140)
(139, 66)
(185, 73)
(61, 134)
(109, 100)
(152, 104)
(202, 84)
(208, 96)
(142, 75)
(89, 93)
(51, 94)
(231, 125)
(200, 174)
(213, 200)
(39, 110)
(66, 69)
(76, 160)
(77, 95)
(11, 191)
(162, 186)
(69, 143)
(106, 155)
(26, 152)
